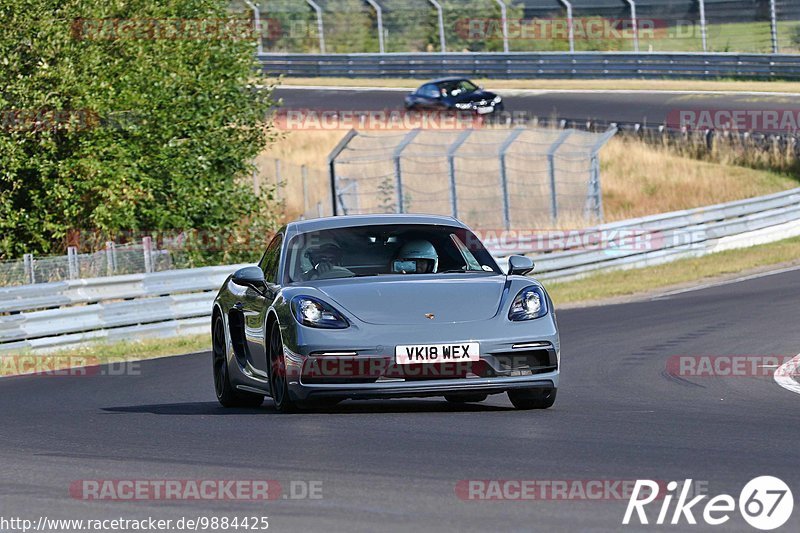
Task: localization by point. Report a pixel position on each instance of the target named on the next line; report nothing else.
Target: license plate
(437, 353)
(485, 110)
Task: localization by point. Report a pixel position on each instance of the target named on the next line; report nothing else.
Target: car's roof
(346, 221)
(444, 80)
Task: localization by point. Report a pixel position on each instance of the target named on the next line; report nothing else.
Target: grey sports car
(383, 306)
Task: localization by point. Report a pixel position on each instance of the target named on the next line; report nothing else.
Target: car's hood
(476, 96)
(407, 300)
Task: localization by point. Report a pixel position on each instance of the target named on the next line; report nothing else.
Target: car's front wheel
(227, 395)
(533, 399)
(279, 384)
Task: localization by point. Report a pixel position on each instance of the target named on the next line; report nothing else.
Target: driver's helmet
(422, 253)
(328, 252)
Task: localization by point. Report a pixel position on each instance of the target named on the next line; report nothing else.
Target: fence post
(451, 167)
(551, 169)
(278, 180)
(30, 275)
(773, 21)
(379, 14)
(440, 17)
(111, 259)
(257, 23)
(635, 23)
(304, 176)
(320, 26)
(504, 175)
(703, 27)
(397, 167)
(147, 248)
(72, 262)
(571, 24)
(594, 193)
(332, 166)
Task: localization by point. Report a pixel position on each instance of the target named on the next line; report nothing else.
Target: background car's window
(455, 88)
(269, 263)
(429, 91)
(384, 250)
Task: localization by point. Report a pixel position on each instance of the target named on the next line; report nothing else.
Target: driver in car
(326, 261)
(416, 257)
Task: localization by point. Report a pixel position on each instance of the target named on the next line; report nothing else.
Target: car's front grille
(525, 361)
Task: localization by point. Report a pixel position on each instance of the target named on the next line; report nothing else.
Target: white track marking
(783, 376)
(726, 282)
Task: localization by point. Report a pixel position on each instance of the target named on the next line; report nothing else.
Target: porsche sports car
(383, 306)
(454, 94)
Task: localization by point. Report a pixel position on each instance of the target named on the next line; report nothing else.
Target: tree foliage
(108, 130)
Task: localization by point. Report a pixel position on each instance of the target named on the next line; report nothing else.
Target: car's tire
(279, 385)
(227, 394)
(465, 398)
(533, 399)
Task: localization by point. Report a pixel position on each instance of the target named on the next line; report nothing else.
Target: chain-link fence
(301, 191)
(492, 178)
(350, 26)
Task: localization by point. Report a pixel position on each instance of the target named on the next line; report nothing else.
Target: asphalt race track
(637, 106)
(395, 464)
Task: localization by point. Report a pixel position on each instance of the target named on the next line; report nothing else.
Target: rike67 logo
(765, 503)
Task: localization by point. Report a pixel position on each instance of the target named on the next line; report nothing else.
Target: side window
(272, 257)
(429, 91)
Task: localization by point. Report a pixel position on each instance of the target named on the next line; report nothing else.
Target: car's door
(429, 97)
(257, 302)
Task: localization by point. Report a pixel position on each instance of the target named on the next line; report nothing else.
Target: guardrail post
(551, 169)
(111, 258)
(320, 25)
(72, 262)
(504, 175)
(147, 249)
(379, 14)
(703, 26)
(440, 17)
(635, 23)
(773, 21)
(257, 23)
(451, 167)
(30, 274)
(332, 166)
(397, 167)
(571, 24)
(504, 19)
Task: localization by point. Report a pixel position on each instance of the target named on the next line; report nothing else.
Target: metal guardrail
(64, 314)
(536, 65)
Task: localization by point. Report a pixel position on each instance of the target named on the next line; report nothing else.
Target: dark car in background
(454, 94)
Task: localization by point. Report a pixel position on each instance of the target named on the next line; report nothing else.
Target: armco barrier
(536, 65)
(63, 314)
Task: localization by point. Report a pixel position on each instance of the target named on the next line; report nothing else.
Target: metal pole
(257, 22)
(551, 169)
(451, 163)
(147, 248)
(72, 262)
(440, 16)
(109, 258)
(278, 181)
(304, 175)
(320, 26)
(504, 175)
(379, 13)
(594, 185)
(635, 23)
(504, 18)
(332, 165)
(703, 28)
(568, 5)
(773, 18)
(30, 275)
(397, 168)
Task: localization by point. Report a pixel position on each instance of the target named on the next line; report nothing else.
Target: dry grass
(637, 179)
(577, 85)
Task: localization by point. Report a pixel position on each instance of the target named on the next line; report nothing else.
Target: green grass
(622, 283)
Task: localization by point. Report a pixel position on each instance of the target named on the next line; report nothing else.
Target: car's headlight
(464, 106)
(317, 314)
(530, 303)
(497, 100)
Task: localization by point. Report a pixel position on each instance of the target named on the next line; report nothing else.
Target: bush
(110, 128)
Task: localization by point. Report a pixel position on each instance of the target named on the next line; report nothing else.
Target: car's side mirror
(251, 276)
(519, 265)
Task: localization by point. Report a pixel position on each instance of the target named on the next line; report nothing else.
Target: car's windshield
(385, 250)
(457, 88)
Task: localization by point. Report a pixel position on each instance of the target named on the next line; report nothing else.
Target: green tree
(149, 123)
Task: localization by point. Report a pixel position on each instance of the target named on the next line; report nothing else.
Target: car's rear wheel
(279, 385)
(227, 395)
(465, 398)
(533, 399)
